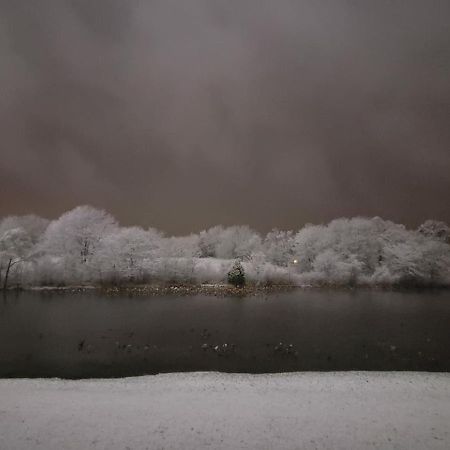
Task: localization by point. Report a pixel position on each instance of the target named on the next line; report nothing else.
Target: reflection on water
(87, 335)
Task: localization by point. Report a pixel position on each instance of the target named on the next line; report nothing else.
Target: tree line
(87, 246)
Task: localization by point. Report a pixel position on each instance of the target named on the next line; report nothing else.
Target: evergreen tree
(236, 276)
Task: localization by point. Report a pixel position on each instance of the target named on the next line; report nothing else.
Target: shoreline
(217, 290)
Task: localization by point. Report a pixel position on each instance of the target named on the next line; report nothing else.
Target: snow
(343, 410)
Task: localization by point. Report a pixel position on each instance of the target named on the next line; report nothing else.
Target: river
(51, 334)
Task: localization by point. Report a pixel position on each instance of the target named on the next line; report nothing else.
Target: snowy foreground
(351, 410)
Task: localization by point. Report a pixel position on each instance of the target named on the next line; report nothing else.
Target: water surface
(89, 335)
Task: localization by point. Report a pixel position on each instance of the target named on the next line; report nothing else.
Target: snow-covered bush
(211, 270)
(258, 270)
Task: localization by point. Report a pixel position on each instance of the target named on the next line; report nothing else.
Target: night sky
(186, 114)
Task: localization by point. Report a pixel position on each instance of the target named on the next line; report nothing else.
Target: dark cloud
(182, 115)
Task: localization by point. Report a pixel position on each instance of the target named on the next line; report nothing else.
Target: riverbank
(220, 290)
(339, 410)
(217, 290)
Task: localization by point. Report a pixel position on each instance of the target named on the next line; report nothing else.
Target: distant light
(295, 261)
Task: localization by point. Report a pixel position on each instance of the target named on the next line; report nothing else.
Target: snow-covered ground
(351, 410)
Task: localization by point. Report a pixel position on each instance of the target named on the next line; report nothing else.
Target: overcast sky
(186, 114)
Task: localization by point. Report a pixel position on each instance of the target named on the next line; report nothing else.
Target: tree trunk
(5, 282)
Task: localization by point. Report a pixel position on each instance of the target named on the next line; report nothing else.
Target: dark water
(87, 335)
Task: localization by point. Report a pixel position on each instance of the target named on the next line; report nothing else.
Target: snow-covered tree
(309, 242)
(87, 245)
(229, 243)
(337, 267)
(370, 250)
(181, 247)
(278, 246)
(436, 230)
(209, 241)
(16, 246)
(421, 262)
(238, 242)
(125, 250)
(76, 236)
(33, 225)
